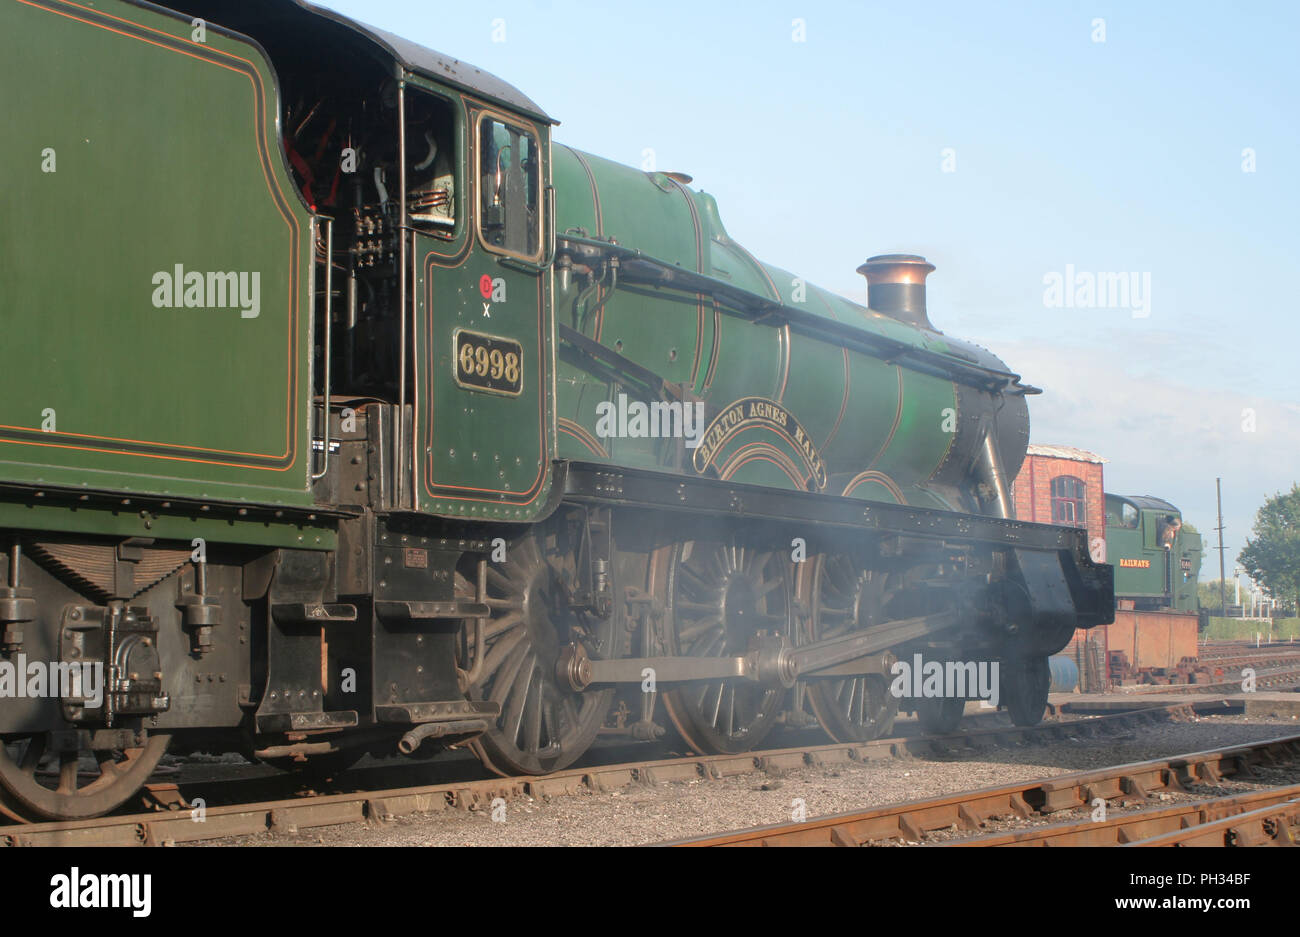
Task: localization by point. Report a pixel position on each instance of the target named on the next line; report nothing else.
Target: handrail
(399, 421)
(637, 266)
(329, 316)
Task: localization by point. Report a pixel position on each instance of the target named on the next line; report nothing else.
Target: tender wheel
(37, 783)
(720, 595)
(543, 726)
(1026, 682)
(846, 597)
(940, 716)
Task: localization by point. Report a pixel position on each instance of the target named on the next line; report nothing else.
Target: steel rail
(911, 820)
(1273, 825)
(1264, 679)
(1130, 828)
(180, 824)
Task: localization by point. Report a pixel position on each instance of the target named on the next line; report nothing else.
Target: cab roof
(435, 65)
(1146, 502)
(302, 27)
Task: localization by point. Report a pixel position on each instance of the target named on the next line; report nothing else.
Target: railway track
(1238, 819)
(1272, 679)
(1290, 653)
(1217, 647)
(174, 819)
(1261, 659)
(913, 821)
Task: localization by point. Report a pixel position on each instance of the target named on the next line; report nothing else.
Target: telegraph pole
(1223, 586)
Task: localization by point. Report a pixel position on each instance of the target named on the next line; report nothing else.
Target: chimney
(896, 287)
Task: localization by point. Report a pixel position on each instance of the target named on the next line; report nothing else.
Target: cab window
(431, 158)
(509, 186)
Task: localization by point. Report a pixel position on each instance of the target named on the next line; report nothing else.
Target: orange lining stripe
(898, 418)
(578, 432)
(880, 478)
(763, 452)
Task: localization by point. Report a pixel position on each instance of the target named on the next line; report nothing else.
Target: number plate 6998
(486, 362)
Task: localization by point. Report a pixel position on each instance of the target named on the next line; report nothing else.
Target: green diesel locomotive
(367, 419)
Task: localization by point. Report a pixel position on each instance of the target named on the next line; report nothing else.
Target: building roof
(1066, 452)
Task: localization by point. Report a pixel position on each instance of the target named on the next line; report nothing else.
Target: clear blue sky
(1122, 155)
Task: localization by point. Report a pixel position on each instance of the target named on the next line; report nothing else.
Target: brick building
(1062, 485)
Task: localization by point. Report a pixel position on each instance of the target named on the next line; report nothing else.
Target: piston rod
(771, 665)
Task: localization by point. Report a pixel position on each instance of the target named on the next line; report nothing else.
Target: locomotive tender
(341, 411)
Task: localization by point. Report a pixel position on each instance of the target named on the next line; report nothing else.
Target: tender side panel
(155, 260)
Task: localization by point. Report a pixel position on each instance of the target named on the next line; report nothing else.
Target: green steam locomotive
(366, 419)
(1157, 560)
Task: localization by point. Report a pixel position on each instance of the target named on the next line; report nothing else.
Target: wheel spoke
(67, 772)
(496, 626)
(717, 642)
(108, 765)
(499, 581)
(517, 694)
(688, 634)
(533, 712)
(713, 710)
(532, 554)
(697, 580)
(696, 609)
(553, 719)
(501, 651)
(32, 756)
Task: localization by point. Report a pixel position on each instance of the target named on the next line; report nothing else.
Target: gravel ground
(640, 815)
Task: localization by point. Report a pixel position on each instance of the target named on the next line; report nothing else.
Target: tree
(1272, 555)
(1207, 593)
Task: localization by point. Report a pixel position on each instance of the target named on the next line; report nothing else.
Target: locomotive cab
(430, 182)
(1157, 559)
